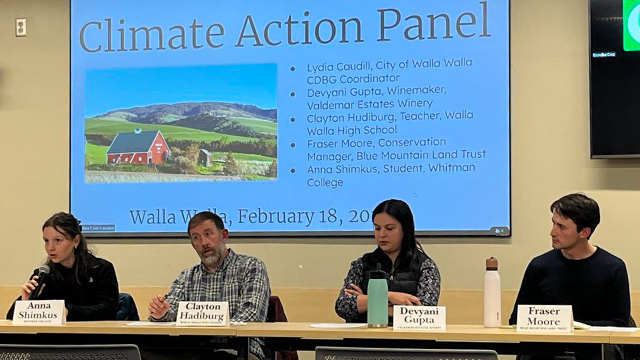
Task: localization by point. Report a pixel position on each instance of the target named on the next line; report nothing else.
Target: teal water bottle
(377, 299)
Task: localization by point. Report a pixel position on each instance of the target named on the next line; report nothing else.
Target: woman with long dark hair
(87, 284)
(413, 279)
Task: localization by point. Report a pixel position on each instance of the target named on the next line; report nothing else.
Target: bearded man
(222, 275)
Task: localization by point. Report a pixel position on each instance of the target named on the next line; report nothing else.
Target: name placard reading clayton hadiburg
(203, 313)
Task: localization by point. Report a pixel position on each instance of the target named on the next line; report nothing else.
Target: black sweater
(95, 298)
(597, 287)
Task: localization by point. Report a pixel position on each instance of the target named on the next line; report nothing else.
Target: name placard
(203, 313)
(545, 318)
(419, 317)
(39, 312)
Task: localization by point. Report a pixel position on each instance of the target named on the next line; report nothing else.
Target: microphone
(42, 271)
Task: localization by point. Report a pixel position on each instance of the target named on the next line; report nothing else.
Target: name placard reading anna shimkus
(203, 313)
(419, 317)
(40, 312)
(545, 318)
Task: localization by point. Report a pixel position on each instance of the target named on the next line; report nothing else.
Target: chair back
(349, 353)
(127, 309)
(60, 352)
(275, 313)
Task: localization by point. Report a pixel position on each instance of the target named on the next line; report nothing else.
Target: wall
(550, 157)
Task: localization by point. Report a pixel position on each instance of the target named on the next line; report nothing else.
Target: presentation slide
(289, 117)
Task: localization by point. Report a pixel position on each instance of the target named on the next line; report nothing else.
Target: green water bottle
(377, 299)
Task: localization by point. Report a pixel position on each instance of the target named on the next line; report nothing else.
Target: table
(301, 336)
(118, 332)
(625, 338)
(114, 327)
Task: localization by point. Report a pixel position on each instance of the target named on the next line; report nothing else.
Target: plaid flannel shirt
(241, 280)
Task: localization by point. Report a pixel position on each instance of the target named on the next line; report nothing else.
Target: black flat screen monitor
(615, 78)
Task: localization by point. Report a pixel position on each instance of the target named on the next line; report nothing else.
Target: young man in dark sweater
(575, 272)
(590, 279)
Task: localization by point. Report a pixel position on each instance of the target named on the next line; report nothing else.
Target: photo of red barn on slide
(138, 147)
(222, 132)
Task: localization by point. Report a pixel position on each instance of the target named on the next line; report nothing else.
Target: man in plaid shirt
(222, 275)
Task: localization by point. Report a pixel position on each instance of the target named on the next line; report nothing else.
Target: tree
(230, 165)
(184, 165)
(273, 169)
(192, 152)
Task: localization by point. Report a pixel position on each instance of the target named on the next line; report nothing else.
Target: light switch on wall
(21, 27)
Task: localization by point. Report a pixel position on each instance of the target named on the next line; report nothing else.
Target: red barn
(138, 147)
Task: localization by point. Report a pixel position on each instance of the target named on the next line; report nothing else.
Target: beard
(212, 260)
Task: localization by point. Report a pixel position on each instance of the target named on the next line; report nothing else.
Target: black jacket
(94, 298)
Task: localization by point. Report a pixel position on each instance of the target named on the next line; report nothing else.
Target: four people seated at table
(574, 272)
(87, 284)
(413, 278)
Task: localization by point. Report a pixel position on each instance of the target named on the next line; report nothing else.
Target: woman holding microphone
(87, 284)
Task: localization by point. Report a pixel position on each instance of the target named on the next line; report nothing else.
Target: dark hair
(69, 226)
(400, 211)
(580, 208)
(203, 216)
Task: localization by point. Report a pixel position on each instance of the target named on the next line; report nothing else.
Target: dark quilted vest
(401, 279)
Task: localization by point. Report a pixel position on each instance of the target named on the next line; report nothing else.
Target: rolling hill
(167, 113)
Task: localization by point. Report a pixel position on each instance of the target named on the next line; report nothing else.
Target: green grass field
(97, 153)
(113, 119)
(220, 155)
(262, 126)
(214, 169)
(170, 132)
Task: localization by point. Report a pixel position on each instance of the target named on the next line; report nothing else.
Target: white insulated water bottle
(492, 292)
